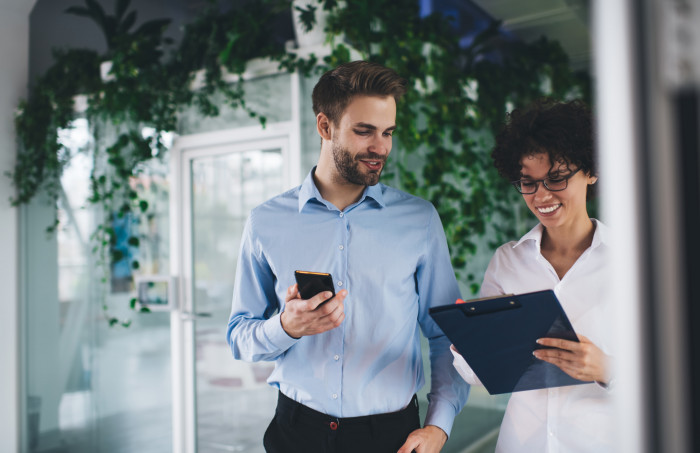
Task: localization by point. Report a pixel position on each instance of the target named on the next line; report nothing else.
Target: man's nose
(380, 144)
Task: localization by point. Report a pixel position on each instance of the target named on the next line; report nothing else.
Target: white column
(14, 55)
(617, 146)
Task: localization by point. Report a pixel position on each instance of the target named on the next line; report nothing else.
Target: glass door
(224, 404)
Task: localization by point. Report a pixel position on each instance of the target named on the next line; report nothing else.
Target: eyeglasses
(530, 186)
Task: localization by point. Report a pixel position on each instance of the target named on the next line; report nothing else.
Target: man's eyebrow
(372, 126)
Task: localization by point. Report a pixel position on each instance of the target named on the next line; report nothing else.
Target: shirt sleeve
(463, 367)
(437, 285)
(254, 330)
(489, 287)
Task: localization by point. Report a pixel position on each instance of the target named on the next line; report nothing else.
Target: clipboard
(497, 335)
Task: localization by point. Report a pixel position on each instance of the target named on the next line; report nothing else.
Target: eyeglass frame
(566, 178)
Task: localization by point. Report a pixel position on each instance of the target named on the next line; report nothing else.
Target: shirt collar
(309, 191)
(600, 236)
(534, 234)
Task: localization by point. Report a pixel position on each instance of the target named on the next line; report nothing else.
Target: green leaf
(127, 23)
(307, 16)
(132, 303)
(121, 7)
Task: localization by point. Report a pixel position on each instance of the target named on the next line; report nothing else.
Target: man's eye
(527, 184)
(358, 132)
(387, 134)
(556, 180)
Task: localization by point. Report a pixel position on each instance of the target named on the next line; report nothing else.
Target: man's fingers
(409, 446)
(331, 305)
(319, 299)
(292, 293)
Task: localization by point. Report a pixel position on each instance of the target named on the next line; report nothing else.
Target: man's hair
(562, 130)
(337, 87)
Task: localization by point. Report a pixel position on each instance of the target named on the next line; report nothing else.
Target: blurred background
(137, 136)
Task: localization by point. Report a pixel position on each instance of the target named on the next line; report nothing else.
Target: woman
(547, 151)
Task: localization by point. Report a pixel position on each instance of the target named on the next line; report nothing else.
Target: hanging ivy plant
(457, 100)
(457, 97)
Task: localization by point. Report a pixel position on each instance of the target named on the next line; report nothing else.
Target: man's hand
(305, 317)
(425, 440)
(584, 360)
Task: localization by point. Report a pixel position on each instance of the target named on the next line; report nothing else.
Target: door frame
(284, 135)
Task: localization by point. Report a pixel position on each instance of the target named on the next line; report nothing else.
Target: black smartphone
(312, 283)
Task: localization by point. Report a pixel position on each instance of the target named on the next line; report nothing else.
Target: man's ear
(323, 126)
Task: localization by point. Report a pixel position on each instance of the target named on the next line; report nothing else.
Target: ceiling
(566, 21)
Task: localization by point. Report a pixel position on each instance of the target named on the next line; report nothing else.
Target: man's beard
(349, 166)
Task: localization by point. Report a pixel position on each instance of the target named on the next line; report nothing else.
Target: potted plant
(129, 50)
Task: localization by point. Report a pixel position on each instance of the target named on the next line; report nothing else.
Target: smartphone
(312, 283)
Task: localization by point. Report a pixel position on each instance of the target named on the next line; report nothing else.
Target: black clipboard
(497, 335)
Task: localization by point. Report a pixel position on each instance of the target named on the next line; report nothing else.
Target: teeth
(549, 209)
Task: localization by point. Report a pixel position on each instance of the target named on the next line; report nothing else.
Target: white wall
(14, 54)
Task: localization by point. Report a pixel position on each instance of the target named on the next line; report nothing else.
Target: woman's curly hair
(563, 130)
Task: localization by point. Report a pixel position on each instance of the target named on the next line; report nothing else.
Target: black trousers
(299, 429)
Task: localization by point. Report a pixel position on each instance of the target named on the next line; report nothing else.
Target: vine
(457, 97)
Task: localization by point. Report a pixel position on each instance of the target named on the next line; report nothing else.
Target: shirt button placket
(552, 441)
(342, 261)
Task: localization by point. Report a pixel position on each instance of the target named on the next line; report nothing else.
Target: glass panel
(234, 402)
(133, 370)
(91, 387)
(475, 428)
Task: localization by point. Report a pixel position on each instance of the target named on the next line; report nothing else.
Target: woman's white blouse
(564, 419)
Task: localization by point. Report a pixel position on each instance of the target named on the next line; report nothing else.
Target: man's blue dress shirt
(389, 251)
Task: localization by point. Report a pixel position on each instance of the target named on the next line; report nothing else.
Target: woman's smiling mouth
(548, 209)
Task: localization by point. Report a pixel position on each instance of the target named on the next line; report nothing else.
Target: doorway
(219, 404)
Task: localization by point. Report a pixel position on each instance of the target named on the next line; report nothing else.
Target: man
(348, 369)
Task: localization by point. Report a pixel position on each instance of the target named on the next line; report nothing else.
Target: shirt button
(340, 283)
(341, 247)
(335, 396)
(336, 357)
(342, 214)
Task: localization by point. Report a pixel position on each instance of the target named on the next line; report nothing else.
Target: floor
(128, 407)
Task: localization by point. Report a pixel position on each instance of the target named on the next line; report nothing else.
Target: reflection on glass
(234, 403)
(106, 381)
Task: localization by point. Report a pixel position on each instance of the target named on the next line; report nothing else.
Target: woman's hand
(584, 361)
